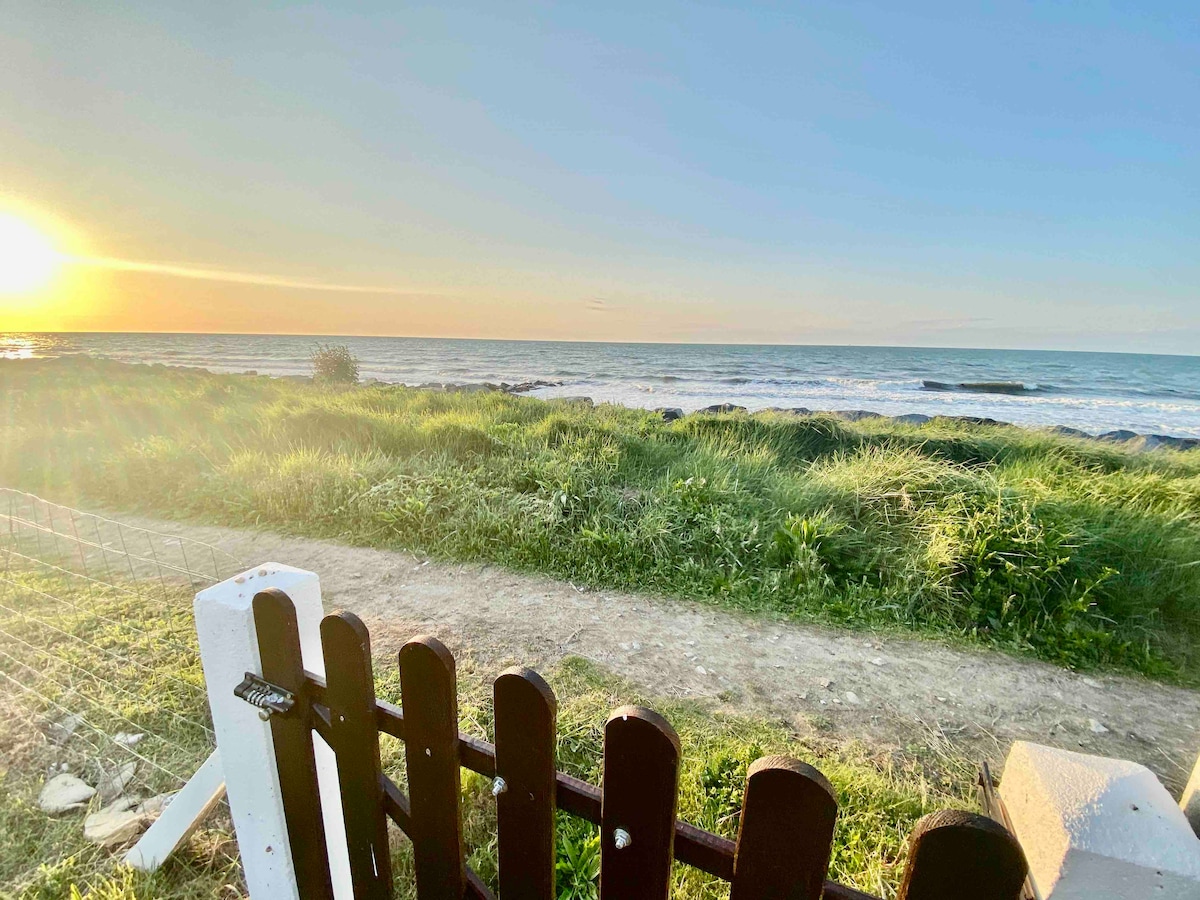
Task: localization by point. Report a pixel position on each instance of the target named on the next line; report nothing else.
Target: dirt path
(884, 690)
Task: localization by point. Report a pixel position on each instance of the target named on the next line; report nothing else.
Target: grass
(141, 680)
(1073, 551)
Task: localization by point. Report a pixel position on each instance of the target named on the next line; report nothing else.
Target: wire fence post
(228, 650)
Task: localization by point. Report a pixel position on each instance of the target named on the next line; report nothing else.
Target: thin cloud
(204, 274)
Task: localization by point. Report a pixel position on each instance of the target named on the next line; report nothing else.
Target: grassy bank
(1075, 551)
(47, 647)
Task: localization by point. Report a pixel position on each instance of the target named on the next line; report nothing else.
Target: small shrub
(334, 364)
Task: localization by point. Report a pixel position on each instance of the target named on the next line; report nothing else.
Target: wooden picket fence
(784, 837)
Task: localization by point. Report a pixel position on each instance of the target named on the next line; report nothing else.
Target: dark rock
(526, 386)
(1066, 431)
(855, 415)
(911, 419)
(974, 420)
(1167, 442)
(1132, 441)
(789, 410)
(670, 413)
(722, 408)
(472, 388)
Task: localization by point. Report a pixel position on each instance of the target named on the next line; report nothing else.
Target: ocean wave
(986, 387)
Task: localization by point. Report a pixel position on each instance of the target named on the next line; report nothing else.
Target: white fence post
(229, 649)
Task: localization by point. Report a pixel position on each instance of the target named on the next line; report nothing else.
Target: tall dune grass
(1074, 551)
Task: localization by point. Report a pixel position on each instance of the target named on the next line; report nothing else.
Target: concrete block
(1190, 801)
(1098, 829)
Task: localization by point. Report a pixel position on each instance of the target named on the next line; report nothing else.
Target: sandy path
(885, 690)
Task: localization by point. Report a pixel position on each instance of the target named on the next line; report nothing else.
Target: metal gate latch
(269, 698)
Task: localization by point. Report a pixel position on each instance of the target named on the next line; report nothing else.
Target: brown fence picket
(956, 855)
(786, 832)
(637, 813)
(279, 653)
(430, 700)
(788, 813)
(526, 730)
(350, 692)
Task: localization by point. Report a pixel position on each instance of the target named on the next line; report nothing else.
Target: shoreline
(1129, 440)
(1123, 438)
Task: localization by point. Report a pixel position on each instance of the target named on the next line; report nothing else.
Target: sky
(938, 174)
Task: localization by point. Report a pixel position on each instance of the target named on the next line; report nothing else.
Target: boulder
(974, 420)
(1066, 431)
(1167, 442)
(855, 415)
(63, 793)
(911, 419)
(473, 388)
(525, 386)
(720, 408)
(1118, 437)
(670, 413)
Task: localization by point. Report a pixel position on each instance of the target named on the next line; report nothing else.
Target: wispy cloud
(252, 278)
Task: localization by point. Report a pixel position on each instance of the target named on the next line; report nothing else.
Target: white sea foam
(1092, 391)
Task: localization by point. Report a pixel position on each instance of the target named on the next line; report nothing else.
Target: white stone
(60, 732)
(1098, 829)
(153, 806)
(116, 824)
(63, 793)
(112, 785)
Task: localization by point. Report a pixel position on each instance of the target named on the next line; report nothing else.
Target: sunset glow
(28, 259)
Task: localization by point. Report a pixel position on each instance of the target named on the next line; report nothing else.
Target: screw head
(265, 715)
(621, 838)
(499, 786)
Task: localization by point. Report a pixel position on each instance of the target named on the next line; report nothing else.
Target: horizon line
(419, 337)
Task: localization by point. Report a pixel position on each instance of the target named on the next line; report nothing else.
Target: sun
(28, 259)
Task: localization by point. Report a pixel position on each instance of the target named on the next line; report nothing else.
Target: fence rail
(786, 824)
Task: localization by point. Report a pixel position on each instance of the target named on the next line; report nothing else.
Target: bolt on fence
(87, 603)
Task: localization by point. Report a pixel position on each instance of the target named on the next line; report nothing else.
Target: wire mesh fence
(99, 670)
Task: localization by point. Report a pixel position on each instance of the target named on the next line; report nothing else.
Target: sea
(1094, 392)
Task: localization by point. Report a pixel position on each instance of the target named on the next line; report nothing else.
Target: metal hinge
(269, 698)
